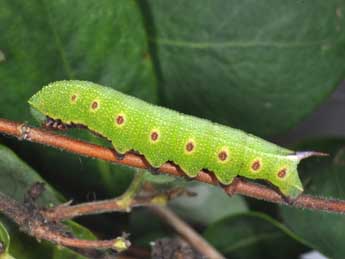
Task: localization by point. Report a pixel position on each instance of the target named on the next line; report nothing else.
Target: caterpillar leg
(153, 170)
(119, 156)
(289, 200)
(231, 188)
(50, 123)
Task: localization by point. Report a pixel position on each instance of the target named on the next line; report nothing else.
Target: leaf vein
(234, 44)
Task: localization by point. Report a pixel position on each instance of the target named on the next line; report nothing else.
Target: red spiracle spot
(256, 165)
(94, 105)
(154, 135)
(223, 155)
(73, 98)
(190, 146)
(282, 173)
(120, 120)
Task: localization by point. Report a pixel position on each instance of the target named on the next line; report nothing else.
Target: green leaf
(322, 177)
(4, 243)
(250, 64)
(4, 239)
(16, 177)
(253, 235)
(209, 205)
(146, 227)
(101, 41)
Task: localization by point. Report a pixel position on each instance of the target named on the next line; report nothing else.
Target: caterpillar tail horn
(305, 154)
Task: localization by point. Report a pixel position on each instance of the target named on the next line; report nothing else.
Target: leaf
(144, 231)
(16, 177)
(4, 243)
(253, 235)
(4, 239)
(250, 64)
(209, 205)
(322, 177)
(101, 41)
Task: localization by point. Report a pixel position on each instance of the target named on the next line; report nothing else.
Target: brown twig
(240, 186)
(67, 211)
(32, 222)
(184, 230)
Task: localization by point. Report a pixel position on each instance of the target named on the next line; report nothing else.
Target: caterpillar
(163, 135)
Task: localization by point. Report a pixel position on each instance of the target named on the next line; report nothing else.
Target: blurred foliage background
(261, 66)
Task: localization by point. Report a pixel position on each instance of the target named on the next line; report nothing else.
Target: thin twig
(125, 203)
(240, 186)
(32, 222)
(189, 234)
(62, 212)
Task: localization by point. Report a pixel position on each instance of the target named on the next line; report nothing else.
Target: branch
(32, 221)
(125, 203)
(240, 186)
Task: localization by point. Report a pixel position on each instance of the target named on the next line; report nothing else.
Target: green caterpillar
(163, 135)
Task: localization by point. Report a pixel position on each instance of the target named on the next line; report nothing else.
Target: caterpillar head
(39, 103)
(61, 99)
(46, 100)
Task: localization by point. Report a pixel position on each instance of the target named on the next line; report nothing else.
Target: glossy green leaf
(4, 243)
(146, 227)
(4, 239)
(44, 41)
(253, 235)
(322, 177)
(260, 66)
(16, 177)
